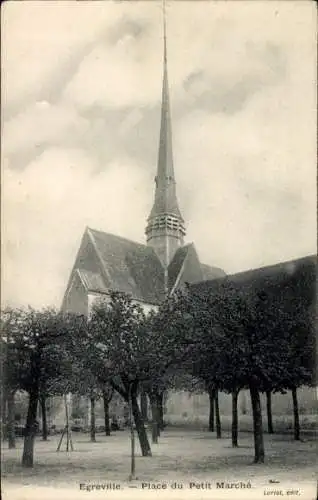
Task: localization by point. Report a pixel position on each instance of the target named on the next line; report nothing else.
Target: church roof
(92, 281)
(211, 272)
(129, 267)
(186, 267)
(109, 262)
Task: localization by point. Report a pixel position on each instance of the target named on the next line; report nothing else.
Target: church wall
(76, 300)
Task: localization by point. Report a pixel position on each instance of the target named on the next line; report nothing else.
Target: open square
(194, 459)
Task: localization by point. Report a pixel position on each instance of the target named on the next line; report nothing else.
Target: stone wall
(186, 407)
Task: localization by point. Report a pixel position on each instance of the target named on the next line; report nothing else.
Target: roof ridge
(212, 267)
(271, 266)
(91, 236)
(116, 236)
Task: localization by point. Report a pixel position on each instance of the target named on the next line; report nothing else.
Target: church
(151, 271)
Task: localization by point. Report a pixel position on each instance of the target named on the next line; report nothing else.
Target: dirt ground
(184, 464)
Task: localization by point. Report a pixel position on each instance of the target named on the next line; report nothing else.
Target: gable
(76, 299)
(87, 261)
(186, 263)
(191, 271)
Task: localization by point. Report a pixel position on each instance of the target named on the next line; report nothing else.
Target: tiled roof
(212, 273)
(130, 267)
(109, 262)
(281, 276)
(175, 265)
(92, 281)
(278, 274)
(186, 267)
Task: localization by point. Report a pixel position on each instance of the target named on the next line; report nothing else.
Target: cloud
(46, 209)
(126, 27)
(44, 46)
(39, 125)
(251, 176)
(114, 77)
(230, 89)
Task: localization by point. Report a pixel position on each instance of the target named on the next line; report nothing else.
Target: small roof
(186, 267)
(92, 281)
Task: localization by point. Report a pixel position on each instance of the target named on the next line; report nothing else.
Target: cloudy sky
(80, 128)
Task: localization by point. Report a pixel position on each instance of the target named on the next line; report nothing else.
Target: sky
(81, 90)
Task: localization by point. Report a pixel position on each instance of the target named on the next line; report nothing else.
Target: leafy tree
(14, 365)
(287, 308)
(226, 350)
(132, 351)
(166, 371)
(38, 343)
(115, 344)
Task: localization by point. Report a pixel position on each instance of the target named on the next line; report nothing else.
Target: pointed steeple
(165, 229)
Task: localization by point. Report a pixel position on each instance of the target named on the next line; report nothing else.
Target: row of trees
(263, 342)
(220, 339)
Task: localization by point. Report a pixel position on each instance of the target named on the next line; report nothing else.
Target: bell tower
(165, 226)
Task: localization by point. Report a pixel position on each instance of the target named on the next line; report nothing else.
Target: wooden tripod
(66, 431)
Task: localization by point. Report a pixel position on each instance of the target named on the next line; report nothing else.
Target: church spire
(165, 227)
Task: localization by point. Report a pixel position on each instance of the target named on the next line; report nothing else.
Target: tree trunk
(234, 419)
(30, 429)
(296, 415)
(257, 425)
(144, 405)
(132, 437)
(106, 414)
(211, 412)
(269, 412)
(160, 412)
(142, 435)
(11, 420)
(243, 404)
(93, 426)
(155, 418)
(3, 413)
(217, 415)
(44, 419)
